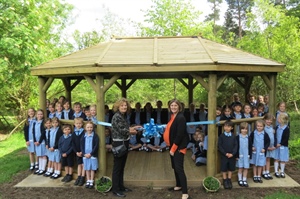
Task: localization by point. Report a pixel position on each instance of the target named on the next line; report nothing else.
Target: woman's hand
(171, 153)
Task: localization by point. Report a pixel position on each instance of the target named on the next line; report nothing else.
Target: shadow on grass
(13, 163)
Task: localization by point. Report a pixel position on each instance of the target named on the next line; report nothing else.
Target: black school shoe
(225, 183)
(69, 178)
(265, 176)
(229, 183)
(255, 179)
(77, 181)
(259, 180)
(241, 184)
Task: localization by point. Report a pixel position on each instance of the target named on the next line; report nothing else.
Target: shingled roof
(157, 56)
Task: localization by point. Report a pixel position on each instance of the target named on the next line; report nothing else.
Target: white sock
(244, 179)
(36, 163)
(264, 172)
(31, 164)
(267, 171)
(58, 172)
(282, 165)
(276, 167)
(44, 164)
(40, 163)
(51, 170)
(240, 176)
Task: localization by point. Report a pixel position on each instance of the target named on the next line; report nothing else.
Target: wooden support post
(272, 94)
(248, 82)
(123, 87)
(67, 85)
(191, 90)
(212, 129)
(101, 129)
(43, 95)
(201, 81)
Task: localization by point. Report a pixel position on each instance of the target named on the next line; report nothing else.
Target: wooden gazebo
(192, 58)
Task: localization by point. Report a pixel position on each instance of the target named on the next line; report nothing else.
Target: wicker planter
(103, 185)
(211, 184)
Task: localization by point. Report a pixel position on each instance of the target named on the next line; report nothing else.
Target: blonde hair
(261, 122)
(78, 119)
(118, 103)
(284, 118)
(244, 125)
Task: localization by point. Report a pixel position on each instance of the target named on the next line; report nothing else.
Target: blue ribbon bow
(151, 130)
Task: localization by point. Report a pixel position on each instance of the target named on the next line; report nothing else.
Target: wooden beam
(91, 82)
(48, 84)
(75, 83)
(183, 83)
(212, 151)
(42, 94)
(195, 84)
(124, 93)
(272, 94)
(267, 81)
(239, 82)
(221, 80)
(67, 84)
(155, 51)
(208, 51)
(130, 83)
(201, 81)
(99, 89)
(97, 63)
(111, 82)
(191, 89)
(118, 85)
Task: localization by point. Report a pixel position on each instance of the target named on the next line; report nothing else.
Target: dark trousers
(177, 164)
(118, 169)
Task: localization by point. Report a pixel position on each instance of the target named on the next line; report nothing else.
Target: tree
(29, 31)
(239, 9)
(273, 34)
(172, 18)
(215, 15)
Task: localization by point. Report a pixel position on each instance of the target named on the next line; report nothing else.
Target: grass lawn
(12, 159)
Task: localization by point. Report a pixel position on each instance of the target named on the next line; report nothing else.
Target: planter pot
(211, 184)
(103, 185)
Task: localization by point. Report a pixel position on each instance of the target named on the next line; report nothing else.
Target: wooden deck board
(154, 169)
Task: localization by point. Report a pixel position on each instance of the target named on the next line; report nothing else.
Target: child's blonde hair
(244, 125)
(261, 122)
(284, 118)
(78, 119)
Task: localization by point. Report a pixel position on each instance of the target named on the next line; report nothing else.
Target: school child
(282, 145)
(28, 127)
(51, 113)
(244, 154)
(67, 112)
(260, 109)
(202, 116)
(108, 139)
(59, 109)
(108, 114)
(135, 142)
(260, 143)
(76, 140)
(77, 111)
(247, 114)
(218, 113)
(66, 150)
(254, 111)
(227, 145)
(268, 118)
(61, 99)
(93, 112)
(48, 126)
(87, 113)
(54, 154)
(157, 144)
(237, 114)
(200, 154)
(39, 142)
(226, 115)
(281, 109)
(89, 147)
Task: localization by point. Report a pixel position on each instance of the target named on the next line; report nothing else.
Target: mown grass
(12, 160)
(283, 195)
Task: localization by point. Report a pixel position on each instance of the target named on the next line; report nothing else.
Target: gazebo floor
(153, 169)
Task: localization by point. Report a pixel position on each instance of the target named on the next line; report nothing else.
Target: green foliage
(211, 184)
(29, 31)
(172, 18)
(12, 157)
(103, 184)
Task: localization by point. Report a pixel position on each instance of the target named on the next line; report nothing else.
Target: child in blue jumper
(66, 150)
(227, 145)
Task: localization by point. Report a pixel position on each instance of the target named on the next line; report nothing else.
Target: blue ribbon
(151, 130)
(202, 122)
(103, 123)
